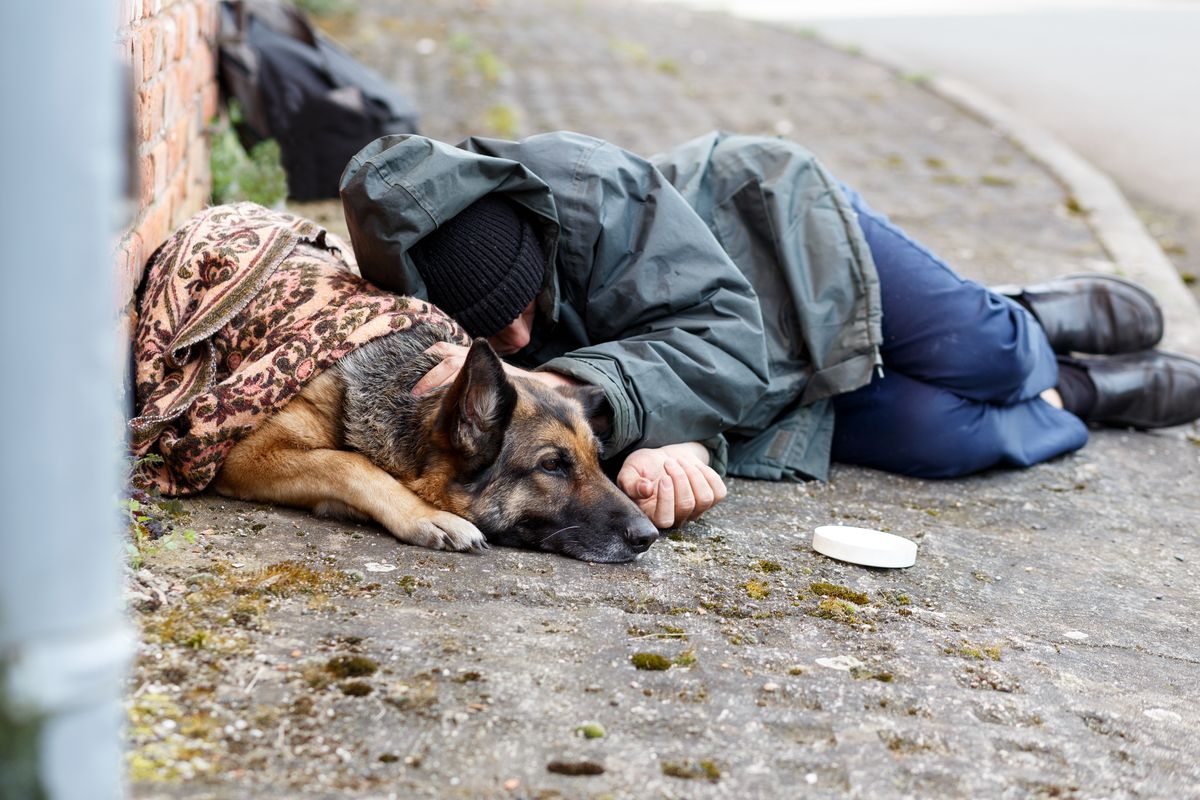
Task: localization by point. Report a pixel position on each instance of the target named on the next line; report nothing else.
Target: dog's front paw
(445, 531)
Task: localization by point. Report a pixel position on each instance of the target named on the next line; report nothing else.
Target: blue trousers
(962, 371)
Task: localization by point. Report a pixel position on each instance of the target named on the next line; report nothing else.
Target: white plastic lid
(864, 546)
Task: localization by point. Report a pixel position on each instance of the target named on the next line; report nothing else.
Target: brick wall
(169, 47)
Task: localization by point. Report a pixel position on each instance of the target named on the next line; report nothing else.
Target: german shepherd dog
(490, 458)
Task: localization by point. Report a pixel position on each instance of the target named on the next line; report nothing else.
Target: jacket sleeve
(676, 330)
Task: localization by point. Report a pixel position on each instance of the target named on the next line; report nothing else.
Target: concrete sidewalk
(1044, 645)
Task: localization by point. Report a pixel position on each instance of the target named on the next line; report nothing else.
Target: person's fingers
(633, 483)
(701, 489)
(445, 349)
(664, 507)
(685, 499)
(644, 489)
(441, 374)
(715, 482)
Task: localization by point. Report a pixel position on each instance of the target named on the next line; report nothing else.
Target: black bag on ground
(296, 86)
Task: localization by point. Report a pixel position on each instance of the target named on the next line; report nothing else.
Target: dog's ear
(478, 407)
(595, 406)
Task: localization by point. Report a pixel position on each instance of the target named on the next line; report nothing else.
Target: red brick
(150, 112)
(209, 105)
(183, 36)
(190, 201)
(172, 99)
(189, 25)
(184, 83)
(177, 144)
(130, 11)
(209, 19)
(162, 168)
(179, 197)
(129, 261)
(169, 39)
(145, 176)
(126, 325)
(151, 36)
(198, 166)
(136, 67)
(204, 66)
(157, 224)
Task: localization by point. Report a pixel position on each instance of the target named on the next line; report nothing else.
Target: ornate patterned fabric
(241, 307)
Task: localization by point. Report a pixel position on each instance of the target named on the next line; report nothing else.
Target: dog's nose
(640, 535)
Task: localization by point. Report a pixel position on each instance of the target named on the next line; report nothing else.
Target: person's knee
(916, 429)
(1005, 354)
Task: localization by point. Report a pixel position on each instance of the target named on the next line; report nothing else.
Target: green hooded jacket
(659, 292)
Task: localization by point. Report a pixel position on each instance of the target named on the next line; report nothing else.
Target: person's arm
(673, 484)
(675, 329)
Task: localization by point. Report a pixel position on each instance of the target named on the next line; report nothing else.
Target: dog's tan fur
(488, 458)
(294, 458)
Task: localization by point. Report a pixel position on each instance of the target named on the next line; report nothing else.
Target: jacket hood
(399, 189)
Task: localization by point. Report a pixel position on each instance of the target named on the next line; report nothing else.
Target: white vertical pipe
(63, 643)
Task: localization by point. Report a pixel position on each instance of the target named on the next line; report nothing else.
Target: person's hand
(455, 355)
(673, 484)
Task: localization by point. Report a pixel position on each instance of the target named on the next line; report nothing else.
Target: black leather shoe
(1093, 313)
(1143, 390)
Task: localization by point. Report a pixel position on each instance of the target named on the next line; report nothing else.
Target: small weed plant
(154, 523)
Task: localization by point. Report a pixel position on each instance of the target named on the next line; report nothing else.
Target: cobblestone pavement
(1043, 646)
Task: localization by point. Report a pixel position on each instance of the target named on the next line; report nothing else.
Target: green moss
(692, 770)
(976, 652)
(868, 674)
(185, 753)
(502, 121)
(351, 666)
(837, 610)
(650, 661)
(468, 677)
(840, 592)
(315, 676)
(767, 566)
(756, 589)
(989, 179)
(669, 66)
(356, 688)
(590, 730)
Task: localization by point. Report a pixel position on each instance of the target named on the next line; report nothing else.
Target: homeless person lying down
(725, 308)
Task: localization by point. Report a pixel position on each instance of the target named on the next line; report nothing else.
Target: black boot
(1099, 314)
(1152, 389)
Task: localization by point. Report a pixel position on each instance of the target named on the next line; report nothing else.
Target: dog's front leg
(321, 477)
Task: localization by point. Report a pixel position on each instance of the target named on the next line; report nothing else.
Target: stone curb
(1133, 252)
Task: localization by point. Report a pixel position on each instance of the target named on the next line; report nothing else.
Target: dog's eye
(551, 464)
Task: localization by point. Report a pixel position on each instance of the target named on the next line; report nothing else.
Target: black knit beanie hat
(483, 266)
